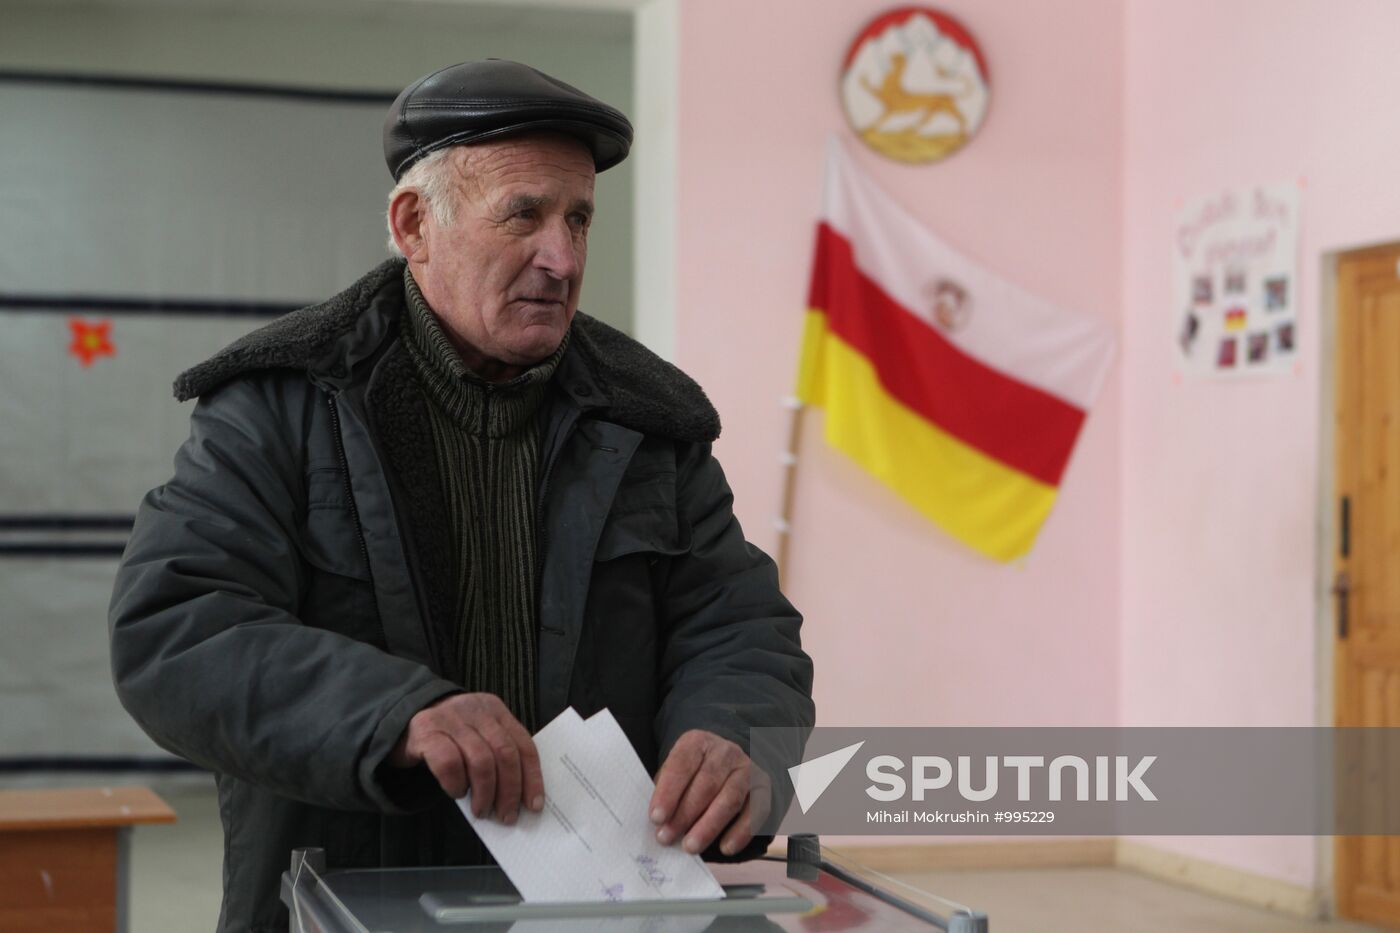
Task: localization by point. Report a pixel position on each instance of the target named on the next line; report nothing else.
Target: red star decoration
(91, 340)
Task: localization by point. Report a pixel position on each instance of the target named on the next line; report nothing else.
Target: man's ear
(408, 215)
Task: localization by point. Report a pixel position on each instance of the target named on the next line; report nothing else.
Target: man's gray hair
(432, 177)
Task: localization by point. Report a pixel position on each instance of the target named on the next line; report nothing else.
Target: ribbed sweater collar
(495, 409)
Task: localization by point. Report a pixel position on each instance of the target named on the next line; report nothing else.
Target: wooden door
(1367, 565)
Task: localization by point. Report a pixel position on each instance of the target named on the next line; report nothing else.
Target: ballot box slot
(465, 907)
(498, 898)
(491, 900)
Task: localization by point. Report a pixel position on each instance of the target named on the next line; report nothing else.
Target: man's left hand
(704, 784)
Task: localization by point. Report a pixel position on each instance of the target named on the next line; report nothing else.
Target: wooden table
(64, 856)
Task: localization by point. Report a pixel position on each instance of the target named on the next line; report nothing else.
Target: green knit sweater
(487, 440)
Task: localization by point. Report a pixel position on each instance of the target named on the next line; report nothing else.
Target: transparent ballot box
(812, 889)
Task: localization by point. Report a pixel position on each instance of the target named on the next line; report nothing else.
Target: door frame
(1328, 539)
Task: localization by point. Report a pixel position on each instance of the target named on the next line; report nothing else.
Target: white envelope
(594, 840)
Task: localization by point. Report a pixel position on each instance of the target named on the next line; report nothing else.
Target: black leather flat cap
(478, 101)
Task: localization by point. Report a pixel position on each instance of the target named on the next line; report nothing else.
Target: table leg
(123, 892)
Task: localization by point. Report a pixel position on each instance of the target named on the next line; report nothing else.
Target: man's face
(504, 276)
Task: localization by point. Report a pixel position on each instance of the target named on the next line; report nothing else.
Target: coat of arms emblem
(952, 306)
(914, 84)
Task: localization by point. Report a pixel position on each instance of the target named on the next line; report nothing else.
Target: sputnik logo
(811, 778)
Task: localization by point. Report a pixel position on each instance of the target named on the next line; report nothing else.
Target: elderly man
(417, 521)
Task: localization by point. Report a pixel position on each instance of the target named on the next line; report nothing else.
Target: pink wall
(1220, 480)
(905, 625)
(1176, 582)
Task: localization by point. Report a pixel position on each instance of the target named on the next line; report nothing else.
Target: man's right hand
(471, 741)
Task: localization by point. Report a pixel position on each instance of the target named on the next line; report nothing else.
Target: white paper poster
(1234, 281)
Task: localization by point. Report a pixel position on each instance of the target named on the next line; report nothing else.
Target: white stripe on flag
(1010, 329)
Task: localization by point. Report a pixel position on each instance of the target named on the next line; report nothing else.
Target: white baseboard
(1221, 880)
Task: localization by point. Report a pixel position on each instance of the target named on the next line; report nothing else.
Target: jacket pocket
(330, 537)
(643, 519)
(616, 664)
(339, 593)
(659, 533)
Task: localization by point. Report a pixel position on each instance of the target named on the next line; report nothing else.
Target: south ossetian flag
(961, 392)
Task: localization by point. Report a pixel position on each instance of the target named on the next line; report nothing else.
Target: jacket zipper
(541, 535)
(484, 439)
(350, 497)
(541, 528)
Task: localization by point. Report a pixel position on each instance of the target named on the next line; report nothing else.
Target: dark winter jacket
(284, 602)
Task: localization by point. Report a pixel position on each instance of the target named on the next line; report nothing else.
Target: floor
(175, 887)
(1073, 900)
(175, 869)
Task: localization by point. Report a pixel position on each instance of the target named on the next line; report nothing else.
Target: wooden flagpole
(788, 458)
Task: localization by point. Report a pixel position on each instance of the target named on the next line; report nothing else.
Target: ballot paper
(593, 841)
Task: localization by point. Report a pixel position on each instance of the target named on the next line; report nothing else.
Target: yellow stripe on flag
(984, 503)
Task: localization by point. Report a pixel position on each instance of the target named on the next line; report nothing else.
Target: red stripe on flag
(1024, 427)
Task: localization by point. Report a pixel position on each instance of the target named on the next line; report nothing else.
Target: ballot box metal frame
(773, 893)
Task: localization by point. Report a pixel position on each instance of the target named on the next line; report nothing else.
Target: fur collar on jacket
(642, 391)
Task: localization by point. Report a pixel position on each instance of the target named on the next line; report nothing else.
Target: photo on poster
(1202, 290)
(1258, 347)
(1225, 357)
(1236, 319)
(1235, 282)
(1284, 335)
(1190, 329)
(1275, 294)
